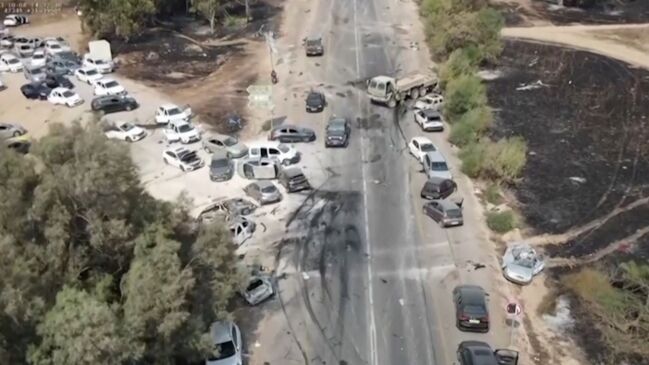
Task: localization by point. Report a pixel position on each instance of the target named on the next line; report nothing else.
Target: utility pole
(270, 42)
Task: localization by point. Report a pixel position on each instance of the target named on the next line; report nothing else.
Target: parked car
(435, 165)
(100, 65)
(34, 74)
(24, 50)
(480, 353)
(284, 154)
(64, 96)
(437, 188)
(264, 168)
(432, 101)
(181, 131)
(107, 86)
(226, 207)
(337, 132)
(61, 66)
(291, 133)
(313, 46)
(521, 263)
(182, 158)
(445, 212)
(226, 340)
(241, 228)
(14, 20)
(114, 103)
(471, 311)
(258, 289)
(293, 179)
(171, 113)
(21, 40)
(221, 167)
(6, 41)
(220, 142)
(53, 47)
(264, 192)
(88, 75)
(54, 81)
(68, 55)
(430, 120)
(36, 90)
(8, 130)
(20, 144)
(10, 63)
(419, 147)
(315, 102)
(125, 131)
(38, 59)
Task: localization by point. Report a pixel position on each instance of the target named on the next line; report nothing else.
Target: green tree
(209, 9)
(464, 93)
(117, 18)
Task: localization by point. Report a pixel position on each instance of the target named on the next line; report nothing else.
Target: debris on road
(531, 86)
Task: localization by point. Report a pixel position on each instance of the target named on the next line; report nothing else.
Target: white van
(283, 153)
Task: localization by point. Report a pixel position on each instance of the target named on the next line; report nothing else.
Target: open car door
(506, 357)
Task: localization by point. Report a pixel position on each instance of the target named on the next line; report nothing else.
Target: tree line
(95, 270)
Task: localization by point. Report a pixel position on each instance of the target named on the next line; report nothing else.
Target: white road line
(373, 346)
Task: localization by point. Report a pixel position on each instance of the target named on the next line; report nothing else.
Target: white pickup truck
(392, 91)
(182, 131)
(172, 113)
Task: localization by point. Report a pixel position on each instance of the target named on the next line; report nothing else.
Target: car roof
(471, 292)
(422, 140)
(106, 80)
(292, 171)
(220, 332)
(435, 156)
(447, 204)
(219, 155)
(431, 112)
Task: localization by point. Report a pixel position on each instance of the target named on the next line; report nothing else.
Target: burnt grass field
(585, 122)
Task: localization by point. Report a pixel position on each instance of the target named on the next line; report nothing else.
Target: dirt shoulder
(626, 43)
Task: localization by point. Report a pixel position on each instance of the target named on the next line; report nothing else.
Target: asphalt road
(365, 278)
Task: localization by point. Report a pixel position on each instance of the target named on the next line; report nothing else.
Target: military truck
(392, 91)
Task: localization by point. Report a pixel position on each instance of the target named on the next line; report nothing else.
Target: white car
(172, 113)
(88, 75)
(128, 132)
(430, 120)
(419, 146)
(38, 59)
(13, 20)
(107, 86)
(282, 153)
(11, 63)
(182, 131)
(226, 342)
(53, 47)
(182, 158)
(434, 101)
(7, 41)
(102, 66)
(64, 96)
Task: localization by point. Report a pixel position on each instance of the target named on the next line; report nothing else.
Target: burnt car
(315, 102)
(313, 46)
(437, 188)
(291, 133)
(223, 207)
(113, 103)
(36, 90)
(293, 179)
(480, 353)
(53, 81)
(62, 66)
(20, 144)
(264, 192)
(471, 313)
(337, 132)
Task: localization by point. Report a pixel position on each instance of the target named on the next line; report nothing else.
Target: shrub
(461, 62)
(462, 134)
(473, 159)
(506, 158)
(471, 126)
(501, 222)
(492, 194)
(464, 93)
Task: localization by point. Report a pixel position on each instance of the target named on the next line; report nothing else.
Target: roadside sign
(514, 308)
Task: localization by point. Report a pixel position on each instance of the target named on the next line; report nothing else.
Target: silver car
(226, 338)
(521, 263)
(265, 192)
(11, 130)
(221, 167)
(259, 288)
(230, 145)
(34, 74)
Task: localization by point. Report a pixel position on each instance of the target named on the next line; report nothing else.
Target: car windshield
(473, 309)
(185, 128)
(13, 61)
(38, 56)
(525, 262)
(68, 94)
(439, 166)
(336, 126)
(454, 213)
(91, 72)
(99, 62)
(220, 162)
(268, 189)
(55, 46)
(230, 141)
(254, 284)
(127, 126)
(284, 148)
(223, 351)
(111, 84)
(188, 156)
(427, 147)
(313, 42)
(433, 118)
(315, 97)
(174, 111)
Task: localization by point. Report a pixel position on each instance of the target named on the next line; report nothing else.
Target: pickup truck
(391, 91)
(172, 113)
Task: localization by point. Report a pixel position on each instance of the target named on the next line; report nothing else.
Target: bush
(473, 159)
(464, 93)
(501, 222)
(461, 62)
(492, 194)
(506, 158)
(471, 126)
(462, 134)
